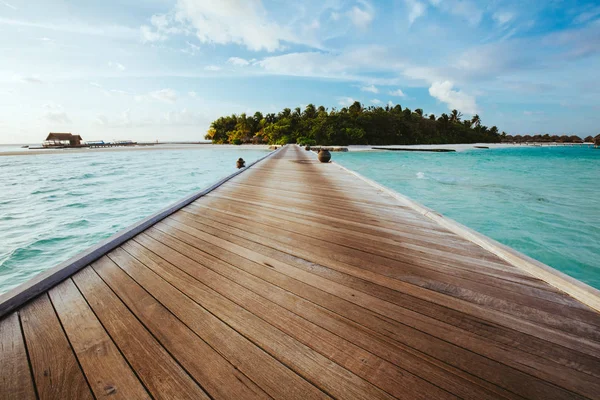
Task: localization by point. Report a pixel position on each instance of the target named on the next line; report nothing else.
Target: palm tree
(475, 121)
(419, 112)
(455, 116)
(432, 117)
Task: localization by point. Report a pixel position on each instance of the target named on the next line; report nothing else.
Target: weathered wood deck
(297, 280)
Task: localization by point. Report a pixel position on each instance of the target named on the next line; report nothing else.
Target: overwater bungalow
(62, 140)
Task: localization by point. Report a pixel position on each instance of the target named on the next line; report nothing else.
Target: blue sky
(163, 69)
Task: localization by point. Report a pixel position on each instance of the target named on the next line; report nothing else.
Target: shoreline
(351, 148)
(158, 147)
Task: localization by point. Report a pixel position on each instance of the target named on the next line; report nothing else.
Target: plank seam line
(567, 284)
(46, 280)
(29, 363)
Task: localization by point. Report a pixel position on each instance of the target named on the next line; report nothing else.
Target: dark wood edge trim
(581, 291)
(44, 281)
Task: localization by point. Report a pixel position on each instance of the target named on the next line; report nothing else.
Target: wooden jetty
(299, 280)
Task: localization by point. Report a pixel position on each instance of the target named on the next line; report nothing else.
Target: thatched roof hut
(575, 139)
(589, 139)
(60, 139)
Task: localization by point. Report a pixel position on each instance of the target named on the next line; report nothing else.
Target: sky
(164, 69)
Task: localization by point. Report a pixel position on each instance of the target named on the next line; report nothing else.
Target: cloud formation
(166, 95)
(238, 62)
(455, 99)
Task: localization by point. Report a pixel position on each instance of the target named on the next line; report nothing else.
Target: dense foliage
(351, 125)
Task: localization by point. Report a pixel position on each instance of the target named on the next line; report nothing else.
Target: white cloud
(110, 31)
(361, 17)
(116, 65)
(167, 95)
(9, 5)
(31, 79)
(101, 120)
(148, 35)
(340, 66)
(212, 68)
(192, 94)
(237, 61)
(94, 84)
(455, 99)
(397, 93)
(503, 17)
(243, 22)
(190, 49)
(346, 101)
(416, 9)
(55, 114)
(465, 9)
(370, 88)
(376, 101)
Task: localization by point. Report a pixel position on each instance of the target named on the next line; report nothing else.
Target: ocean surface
(542, 201)
(53, 206)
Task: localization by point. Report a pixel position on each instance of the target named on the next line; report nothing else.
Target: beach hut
(575, 139)
(62, 139)
(589, 139)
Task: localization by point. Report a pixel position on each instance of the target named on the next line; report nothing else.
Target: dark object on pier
(240, 163)
(307, 148)
(430, 150)
(324, 156)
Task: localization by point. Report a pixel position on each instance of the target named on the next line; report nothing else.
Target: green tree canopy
(355, 124)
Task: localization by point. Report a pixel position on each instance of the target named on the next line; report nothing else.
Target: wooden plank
(322, 257)
(16, 382)
(491, 332)
(47, 279)
(364, 364)
(106, 370)
(55, 367)
(471, 362)
(441, 276)
(215, 374)
(253, 361)
(154, 366)
(452, 380)
(328, 376)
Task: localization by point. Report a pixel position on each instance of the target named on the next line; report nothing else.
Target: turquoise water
(542, 201)
(54, 206)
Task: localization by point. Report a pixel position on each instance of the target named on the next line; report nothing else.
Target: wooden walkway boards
(296, 280)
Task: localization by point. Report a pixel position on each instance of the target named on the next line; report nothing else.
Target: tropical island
(354, 125)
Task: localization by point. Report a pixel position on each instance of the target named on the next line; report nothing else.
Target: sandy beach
(199, 146)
